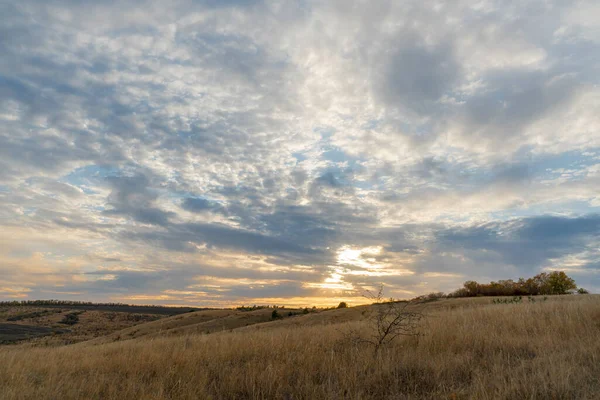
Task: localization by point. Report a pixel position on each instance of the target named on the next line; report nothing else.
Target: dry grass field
(470, 349)
(90, 324)
(200, 322)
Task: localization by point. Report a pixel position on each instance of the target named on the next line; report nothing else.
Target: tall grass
(548, 350)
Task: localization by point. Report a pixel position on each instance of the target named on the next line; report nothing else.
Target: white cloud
(302, 127)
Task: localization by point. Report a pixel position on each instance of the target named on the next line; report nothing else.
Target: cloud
(198, 205)
(528, 243)
(256, 140)
(130, 196)
(511, 101)
(415, 77)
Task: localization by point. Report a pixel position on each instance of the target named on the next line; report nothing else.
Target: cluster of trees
(255, 307)
(251, 308)
(60, 303)
(546, 283)
(306, 310)
(88, 305)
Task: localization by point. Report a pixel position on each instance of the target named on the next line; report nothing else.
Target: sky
(219, 153)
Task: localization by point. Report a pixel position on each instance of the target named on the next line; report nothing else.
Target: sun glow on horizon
(352, 261)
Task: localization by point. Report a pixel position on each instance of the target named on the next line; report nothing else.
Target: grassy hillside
(89, 306)
(54, 326)
(471, 349)
(199, 322)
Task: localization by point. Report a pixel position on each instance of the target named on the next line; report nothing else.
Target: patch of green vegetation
(71, 318)
(518, 300)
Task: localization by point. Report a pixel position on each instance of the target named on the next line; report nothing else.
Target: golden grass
(165, 325)
(471, 350)
(198, 322)
(92, 323)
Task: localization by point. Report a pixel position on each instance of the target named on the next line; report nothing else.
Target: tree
(560, 283)
(275, 314)
(343, 304)
(472, 288)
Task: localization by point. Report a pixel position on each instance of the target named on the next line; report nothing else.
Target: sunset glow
(218, 153)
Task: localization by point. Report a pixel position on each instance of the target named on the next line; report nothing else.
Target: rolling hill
(468, 348)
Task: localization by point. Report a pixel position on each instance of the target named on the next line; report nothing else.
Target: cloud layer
(228, 152)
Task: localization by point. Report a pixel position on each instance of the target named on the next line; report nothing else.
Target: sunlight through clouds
(359, 257)
(295, 150)
(353, 263)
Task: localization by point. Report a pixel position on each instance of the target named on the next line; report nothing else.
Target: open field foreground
(470, 349)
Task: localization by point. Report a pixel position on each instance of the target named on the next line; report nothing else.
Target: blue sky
(221, 153)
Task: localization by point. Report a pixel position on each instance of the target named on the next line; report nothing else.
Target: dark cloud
(131, 196)
(223, 236)
(198, 205)
(527, 243)
(302, 225)
(554, 230)
(416, 76)
(513, 99)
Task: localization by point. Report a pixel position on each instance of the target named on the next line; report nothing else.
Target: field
(469, 349)
(11, 333)
(43, 325)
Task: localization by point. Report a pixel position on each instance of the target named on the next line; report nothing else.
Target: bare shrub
(387, 321)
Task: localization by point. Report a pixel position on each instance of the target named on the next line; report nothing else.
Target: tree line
(546, 283)
(61, 303)
(88, 305)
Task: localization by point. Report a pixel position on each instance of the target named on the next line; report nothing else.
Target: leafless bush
(387, 320)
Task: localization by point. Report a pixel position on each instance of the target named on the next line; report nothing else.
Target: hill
(50, 323)
(199, 322)
(470, 348)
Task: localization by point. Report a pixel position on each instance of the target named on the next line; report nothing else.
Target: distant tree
(582, 291)
(433, 296)
(461, 292)
(560, 283)
(343, 304)
(472, 288)
(275, 314)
